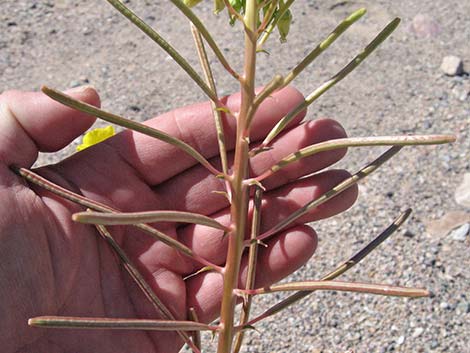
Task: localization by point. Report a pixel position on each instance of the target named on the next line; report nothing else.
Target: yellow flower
(96, 136)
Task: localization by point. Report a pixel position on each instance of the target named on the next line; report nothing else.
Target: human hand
(53, 266)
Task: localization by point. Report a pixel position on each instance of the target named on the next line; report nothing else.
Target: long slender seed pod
(118, 324)
(196, 335)
(252, 262)
(121, 218)
(320, 48)
(380, 289)
(129, 124)
(413, 140)
(149, 31)
(344, 185)
(219, 124)
(207, 36)
(345, 266)
(354, 63)
(88, 203)
(142, 284)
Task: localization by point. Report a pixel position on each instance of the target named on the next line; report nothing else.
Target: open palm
(53, 266)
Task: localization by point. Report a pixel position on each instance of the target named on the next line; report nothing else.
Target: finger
(277, 205)
(283, 255)
(192, 190)
(31, 122)
(195, 125)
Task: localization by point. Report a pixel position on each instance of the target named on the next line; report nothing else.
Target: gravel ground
(399, 90)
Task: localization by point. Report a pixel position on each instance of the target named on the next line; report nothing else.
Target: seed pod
(283, 25)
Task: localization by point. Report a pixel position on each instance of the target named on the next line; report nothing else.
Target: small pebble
(462, 193)
(444, 306)
(424, 26)
(408, 234)
(418, 332)
(400, 340)
(463, 307)
(460, 233)
(452, 65)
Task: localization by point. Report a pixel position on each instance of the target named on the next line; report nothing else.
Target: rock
(408, 233)
(424, 26)
(445, 306)
(418, 332)
(462, 193)
(452, 65)
(400, 340)
(447, 223)
(463, 307)
(82, 80)
(460, 233)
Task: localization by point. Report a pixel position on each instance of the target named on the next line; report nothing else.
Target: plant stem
(240, 194)
(252, 262)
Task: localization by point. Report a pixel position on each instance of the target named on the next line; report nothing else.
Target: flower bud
(191, 3)
(283, 25)
(219, 5)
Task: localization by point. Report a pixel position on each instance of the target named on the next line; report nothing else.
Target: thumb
(31, 122)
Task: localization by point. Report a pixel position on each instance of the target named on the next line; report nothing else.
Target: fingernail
(80, 89)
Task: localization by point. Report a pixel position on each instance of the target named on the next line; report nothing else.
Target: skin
(53, 266)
